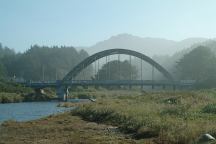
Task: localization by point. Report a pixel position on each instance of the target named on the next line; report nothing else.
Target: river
(29, 110)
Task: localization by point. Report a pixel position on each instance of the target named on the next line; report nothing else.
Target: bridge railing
(42, 84)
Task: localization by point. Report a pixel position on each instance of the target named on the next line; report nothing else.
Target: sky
(85, 22)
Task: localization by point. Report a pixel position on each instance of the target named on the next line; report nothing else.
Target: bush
(210, 108)
(172, 116)
(10, 97)
(11, 87)
(171, 101)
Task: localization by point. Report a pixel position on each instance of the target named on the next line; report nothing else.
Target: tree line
(199, 65)
(40, 62)
(53, 63)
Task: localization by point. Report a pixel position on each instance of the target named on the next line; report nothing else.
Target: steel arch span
(86, 62)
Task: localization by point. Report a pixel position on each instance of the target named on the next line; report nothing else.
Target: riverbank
(10, 97)
(61, 129)
(179, 117)
(11, 92)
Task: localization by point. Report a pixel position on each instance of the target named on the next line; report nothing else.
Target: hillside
(148, 46)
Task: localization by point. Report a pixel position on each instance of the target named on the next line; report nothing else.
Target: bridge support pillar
(62, 93)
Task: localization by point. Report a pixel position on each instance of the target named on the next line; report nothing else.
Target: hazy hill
(148, 46)
(169, 62)
(166, 52)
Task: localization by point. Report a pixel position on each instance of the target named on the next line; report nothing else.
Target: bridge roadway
(44, 84)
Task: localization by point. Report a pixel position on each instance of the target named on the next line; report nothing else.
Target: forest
(39, 62)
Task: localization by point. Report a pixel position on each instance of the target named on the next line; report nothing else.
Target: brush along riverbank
(124, 117)
(61, 129)
(11, 92)
(163, 117)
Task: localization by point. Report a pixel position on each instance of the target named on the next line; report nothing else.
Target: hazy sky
(85, 22)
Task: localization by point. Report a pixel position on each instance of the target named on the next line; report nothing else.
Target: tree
(88, 71)
(4, 52)
(117, 70)
(43, 63)
(199, 65)
(2, 71)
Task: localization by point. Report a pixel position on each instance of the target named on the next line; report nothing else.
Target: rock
(112, 129)
(92, 100)
(206, 139)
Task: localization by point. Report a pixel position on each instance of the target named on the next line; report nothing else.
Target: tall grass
(174, 117)
(10, 97)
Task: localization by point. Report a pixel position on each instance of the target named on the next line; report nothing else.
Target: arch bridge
(77, 69)
(69, 80)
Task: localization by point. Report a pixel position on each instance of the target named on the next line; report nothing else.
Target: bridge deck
(43, 84)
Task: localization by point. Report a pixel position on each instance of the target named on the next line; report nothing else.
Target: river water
(29, 110)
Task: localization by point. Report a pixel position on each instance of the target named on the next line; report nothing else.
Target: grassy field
(60, 129)
(138, 117)
(164, 117)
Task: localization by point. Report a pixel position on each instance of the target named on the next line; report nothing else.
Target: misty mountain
(165, 52)
(147, 46)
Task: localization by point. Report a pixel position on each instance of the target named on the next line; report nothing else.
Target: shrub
(210, 108)
(11, 87)
(171, 101)
(10, 97)
(172, 116)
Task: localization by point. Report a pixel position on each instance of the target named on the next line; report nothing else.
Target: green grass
(11, 87)
(174, 117)
(210, 108)
(179, 117)
(11, 92)
(10, 97)
(60, 129)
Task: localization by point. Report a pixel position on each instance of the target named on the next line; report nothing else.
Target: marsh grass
(144, 117)
(210, 108)
(10, 97)
(174, 117)
(59, 129)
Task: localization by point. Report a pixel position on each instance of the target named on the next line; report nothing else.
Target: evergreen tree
(117, 70)
(199, 65)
